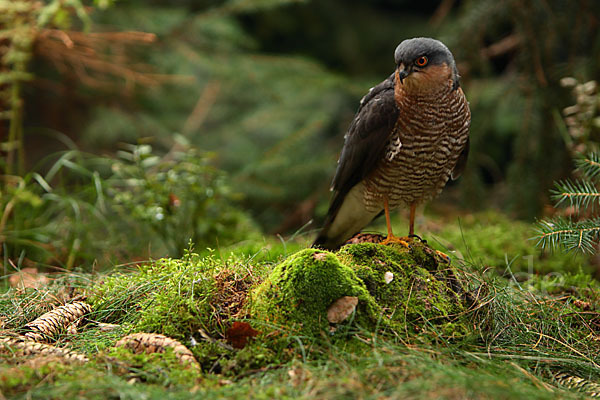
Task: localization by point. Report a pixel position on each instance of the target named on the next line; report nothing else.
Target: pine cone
(592, 389)
(20, 346)
(48, 326)
(156, 343)
(365, 238)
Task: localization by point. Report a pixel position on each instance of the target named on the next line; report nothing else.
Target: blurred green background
(130, 128)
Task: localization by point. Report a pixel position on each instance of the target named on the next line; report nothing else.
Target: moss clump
(193, 297)
(417, 289)
(177, 297)
(299, 291)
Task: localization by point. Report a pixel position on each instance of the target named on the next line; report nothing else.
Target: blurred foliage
(180, 197)
(576, 226)
(270, 86)
(582, 119)
(17, 32)
(267, 116)
(512, 54)
(107, 210)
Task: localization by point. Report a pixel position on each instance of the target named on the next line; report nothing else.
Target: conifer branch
(580, 236)
(589, 166)
(580, 194)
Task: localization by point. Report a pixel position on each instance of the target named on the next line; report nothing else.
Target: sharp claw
(404, 241)
(418, 237)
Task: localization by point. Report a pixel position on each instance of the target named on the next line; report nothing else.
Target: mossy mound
(395, 286)
(299, 291)
(198, 300)
(194, 300)
(421, 286)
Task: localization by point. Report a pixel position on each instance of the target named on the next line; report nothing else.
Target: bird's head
(424, 63)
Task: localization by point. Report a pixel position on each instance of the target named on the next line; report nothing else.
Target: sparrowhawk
(409, 136)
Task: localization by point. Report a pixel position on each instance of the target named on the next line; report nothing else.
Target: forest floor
(502, 320)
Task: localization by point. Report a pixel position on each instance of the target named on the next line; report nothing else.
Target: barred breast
(423, 149)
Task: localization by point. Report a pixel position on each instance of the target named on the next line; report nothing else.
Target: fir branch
(581, 235)
(589, 166)
(580, 194)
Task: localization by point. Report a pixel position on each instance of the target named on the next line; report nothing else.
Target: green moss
(253, 357)
(155, 368)
(20, 378)
(415, 290)
(181, 298)
(175, 297)
(491, 239)
(299, 291)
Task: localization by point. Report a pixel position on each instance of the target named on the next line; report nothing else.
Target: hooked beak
(403, 72)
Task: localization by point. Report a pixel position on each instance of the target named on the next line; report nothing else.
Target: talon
(445, 256)
(404, 241)
(418, 237)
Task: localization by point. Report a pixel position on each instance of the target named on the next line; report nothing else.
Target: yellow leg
(390, 237)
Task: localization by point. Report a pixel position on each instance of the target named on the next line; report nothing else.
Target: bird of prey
(408, 137)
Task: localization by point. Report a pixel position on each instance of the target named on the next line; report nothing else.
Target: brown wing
(364, 146)
(366, 140)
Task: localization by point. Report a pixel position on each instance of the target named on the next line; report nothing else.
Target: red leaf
(237, 335)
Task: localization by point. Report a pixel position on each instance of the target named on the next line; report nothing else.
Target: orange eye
(421, 61)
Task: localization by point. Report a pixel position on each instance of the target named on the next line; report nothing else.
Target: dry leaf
(341, 309)
(28, 278)
(237, 335)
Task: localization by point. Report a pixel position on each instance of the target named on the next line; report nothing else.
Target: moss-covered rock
(406, 283)
(299, 291)
(197, 299)
(394, 286)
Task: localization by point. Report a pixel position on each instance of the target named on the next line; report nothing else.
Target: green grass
(489, 240)
(516, 335)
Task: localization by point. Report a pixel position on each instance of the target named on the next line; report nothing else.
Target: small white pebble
(388, 276)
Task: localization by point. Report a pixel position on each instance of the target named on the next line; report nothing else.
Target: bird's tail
(323, 242)
(346, 217)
